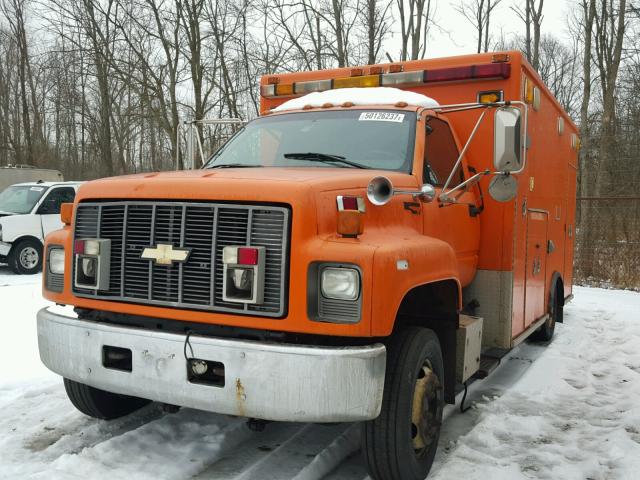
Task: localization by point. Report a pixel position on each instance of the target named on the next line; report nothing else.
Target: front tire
(25, 257)
(401, 443)
(101, 404)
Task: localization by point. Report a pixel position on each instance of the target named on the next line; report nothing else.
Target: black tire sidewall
(14, 257)
(387, 443)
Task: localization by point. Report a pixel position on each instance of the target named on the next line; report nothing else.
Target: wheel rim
(29, 258)
(425, 413)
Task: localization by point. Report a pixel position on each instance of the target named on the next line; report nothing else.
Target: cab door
(49, 209)
(536, 266)
(453, 223)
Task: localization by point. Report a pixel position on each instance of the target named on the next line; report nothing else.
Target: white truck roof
(45, 184)
(359, 96)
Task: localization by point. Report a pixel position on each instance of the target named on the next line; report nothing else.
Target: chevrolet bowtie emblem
(163, 254)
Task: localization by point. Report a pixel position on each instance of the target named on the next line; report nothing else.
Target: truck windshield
(20, 199)
(379, 139)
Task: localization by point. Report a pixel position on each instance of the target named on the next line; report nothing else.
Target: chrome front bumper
(262, 380)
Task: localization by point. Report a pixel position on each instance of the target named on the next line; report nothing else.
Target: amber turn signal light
(350, 223)
(66, 213)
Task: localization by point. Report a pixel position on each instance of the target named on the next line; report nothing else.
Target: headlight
(56, 260)
(340, 283)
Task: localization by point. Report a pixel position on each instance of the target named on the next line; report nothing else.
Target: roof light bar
(396, 77)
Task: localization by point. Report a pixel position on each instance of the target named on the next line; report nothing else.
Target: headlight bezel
(330, 310)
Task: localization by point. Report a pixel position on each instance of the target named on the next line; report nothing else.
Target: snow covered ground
(570, 410)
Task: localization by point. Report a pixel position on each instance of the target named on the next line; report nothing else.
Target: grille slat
(203, 228)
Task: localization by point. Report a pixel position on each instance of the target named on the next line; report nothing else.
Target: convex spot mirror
(503, 187)
(506, 140)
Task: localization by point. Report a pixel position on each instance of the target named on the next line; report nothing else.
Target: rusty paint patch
(240, 397)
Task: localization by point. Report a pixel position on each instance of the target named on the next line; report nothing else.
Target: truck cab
(28, 213)
(347, 256)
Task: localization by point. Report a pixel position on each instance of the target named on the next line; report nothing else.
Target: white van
(28, 212)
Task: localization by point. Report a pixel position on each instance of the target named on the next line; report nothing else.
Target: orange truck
(367, 246)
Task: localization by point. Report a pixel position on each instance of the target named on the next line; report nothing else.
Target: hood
(267, 184)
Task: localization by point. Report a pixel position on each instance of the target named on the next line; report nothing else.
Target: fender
(399, 267)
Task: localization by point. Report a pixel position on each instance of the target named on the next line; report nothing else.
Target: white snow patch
(359, 97)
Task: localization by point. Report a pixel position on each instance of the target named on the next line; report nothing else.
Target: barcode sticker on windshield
(382, 116)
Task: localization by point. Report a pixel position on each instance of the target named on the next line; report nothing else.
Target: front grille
(205, 229)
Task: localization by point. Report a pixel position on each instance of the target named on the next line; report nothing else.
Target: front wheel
(101, 404)
(401, 443)
(26, 257)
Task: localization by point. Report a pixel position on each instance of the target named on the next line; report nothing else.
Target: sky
(456, 36)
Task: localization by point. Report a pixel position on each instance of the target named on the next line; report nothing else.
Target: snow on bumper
(262, 380)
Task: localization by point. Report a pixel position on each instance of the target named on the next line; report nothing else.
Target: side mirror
(506, 140)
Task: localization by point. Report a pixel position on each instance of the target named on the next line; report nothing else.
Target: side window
(440, 154)
(57, 196)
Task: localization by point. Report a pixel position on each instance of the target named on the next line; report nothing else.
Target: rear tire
(547, 329)
(25, 257)
(97, 403)
(401, 443)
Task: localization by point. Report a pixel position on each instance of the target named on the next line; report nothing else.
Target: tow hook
(256, 425)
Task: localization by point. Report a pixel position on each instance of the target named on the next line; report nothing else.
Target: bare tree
(478, 13)
(532, 16)
(416, 19)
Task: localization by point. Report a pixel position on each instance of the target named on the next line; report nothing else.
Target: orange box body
(523, 244)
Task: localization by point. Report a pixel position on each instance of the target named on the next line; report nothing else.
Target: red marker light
(78, 247)
(350, 203)
(247, 256)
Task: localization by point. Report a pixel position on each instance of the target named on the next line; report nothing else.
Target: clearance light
(354, 82)
(500, 58)
(350, 203)
(350, 223)
(490, 97)
(309, 87)
(396, 67)
(376, 70)
(357, 72)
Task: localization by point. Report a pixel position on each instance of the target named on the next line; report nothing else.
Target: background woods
(99, 87)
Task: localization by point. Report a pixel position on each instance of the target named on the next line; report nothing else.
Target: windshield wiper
(322, 157)
(234, 165)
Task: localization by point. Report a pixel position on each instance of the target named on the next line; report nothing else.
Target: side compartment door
(49, 209)
(535, 265)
